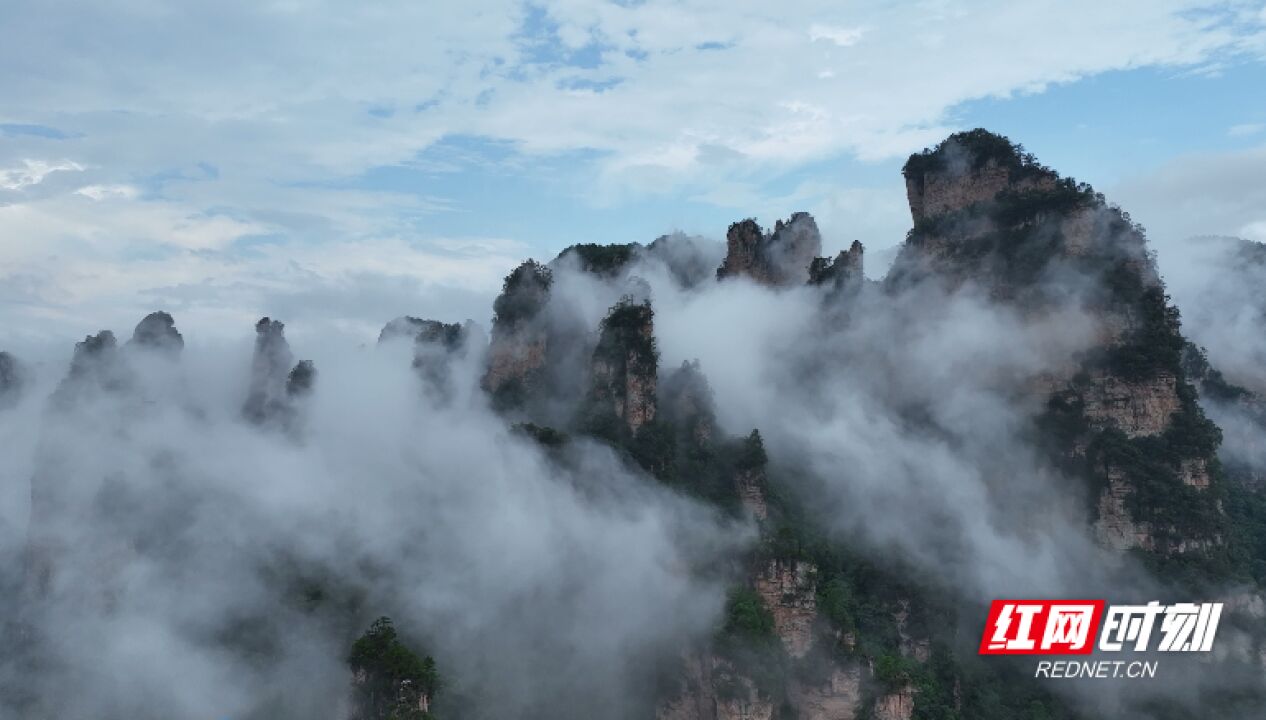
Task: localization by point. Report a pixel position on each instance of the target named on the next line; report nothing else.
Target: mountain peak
(157, 331)
(969, 168)
(779, 258)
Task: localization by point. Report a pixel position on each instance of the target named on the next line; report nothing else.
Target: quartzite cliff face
(986, 213)
(780, 258)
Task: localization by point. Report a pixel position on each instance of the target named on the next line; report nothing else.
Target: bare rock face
(780, 259)
(960, 183)
(436, 345)
(517, 353)
(450, 335)
(401, 699)
(746, 705)
(12, 380)
(968, 169)
(918, 648)
(843, 274)
(157, 331)
(751, 490)
(1115, 527)
(839, 698)
(714, 690)
(277, 382)
(624, 371)
(750, 479)
(987, 214)
(1194, 472)
(1137, 408)
(897, 705)
(301, 378)
(96, 366)
(390, 681)
(789, 590)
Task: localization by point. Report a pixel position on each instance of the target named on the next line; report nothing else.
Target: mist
(187, 548)
(181, 561)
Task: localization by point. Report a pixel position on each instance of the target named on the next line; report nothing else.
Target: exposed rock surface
(988, 214)
(896, 706)
(1136, 408)
(910, 646)
(277, 382)
(449, 335)
(157, 331)
(714, 690)
(839, 698)
(751, 490)
(964, 179)
(436, 345)
(400, 699)
(389, 681)
(624, 371)
(517, 353)
(844, 273)
(96, 365)
(789, 590)
(781, 258)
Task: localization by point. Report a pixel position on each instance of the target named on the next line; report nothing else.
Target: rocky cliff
(390, 681)
(779, 258)
(517, 353)
(157, 331)
(988, 214)
(842, 274)
(277, 383)
(622, 396)
(436, 347)
(817, 623)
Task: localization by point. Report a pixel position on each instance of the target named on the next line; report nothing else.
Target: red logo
(1042, 627)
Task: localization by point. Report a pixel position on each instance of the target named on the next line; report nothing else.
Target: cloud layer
(206, 155)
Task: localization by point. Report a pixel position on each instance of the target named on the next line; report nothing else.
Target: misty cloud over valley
(568, 510)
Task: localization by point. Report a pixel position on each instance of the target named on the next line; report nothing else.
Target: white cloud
(1254, 231)
(72, 264)
(842, 36)
(1245, 129)
(266, 128)
(33, 172)
(106, 192)
(1197, 195)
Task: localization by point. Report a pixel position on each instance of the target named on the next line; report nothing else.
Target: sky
(341, 164)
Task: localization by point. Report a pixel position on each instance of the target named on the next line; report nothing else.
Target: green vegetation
(1155, 345)
(1010, 241)
(980, 146)
(1025, 206)
(626, 331)
(523, 293)
(384, 666)
(1195, 364)
(601, 260)
(748, 641)
(546, 436)
(1246, 511)
(746, 616)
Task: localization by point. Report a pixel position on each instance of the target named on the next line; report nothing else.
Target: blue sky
(341, 165)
